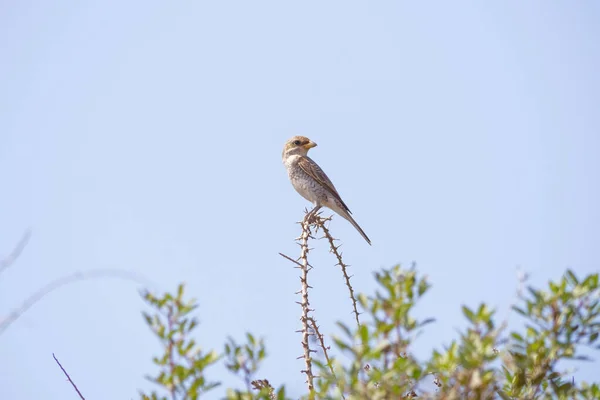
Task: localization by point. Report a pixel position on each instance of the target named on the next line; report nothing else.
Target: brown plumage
(311, 182)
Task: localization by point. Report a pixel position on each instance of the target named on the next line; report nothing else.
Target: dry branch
(68, 377)
(54, 285)
(10, 259)
(305, 304)
(335, 250)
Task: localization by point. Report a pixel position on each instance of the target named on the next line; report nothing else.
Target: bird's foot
(312, 218)
(309, 219)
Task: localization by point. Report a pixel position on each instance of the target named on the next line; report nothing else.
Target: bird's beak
(310, 145)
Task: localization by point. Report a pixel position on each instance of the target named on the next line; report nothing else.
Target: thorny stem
(322, 343)
(334, 249)
(304, 266)
(305, 304)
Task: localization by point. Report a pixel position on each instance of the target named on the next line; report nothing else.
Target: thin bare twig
(52, 286)
(68, 377)
(334, 249)
(10, 259)
(294, 261)
(291, 259)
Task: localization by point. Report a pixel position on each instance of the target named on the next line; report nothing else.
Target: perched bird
(311, 182)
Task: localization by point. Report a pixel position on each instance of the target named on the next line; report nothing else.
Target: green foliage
(183, 364)
(374, 360)
(465, 369)
(381, 365)
(244, 361)
(559, 323)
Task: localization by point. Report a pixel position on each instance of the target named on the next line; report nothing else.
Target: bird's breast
(302, 182)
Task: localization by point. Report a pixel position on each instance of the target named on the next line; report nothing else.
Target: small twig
(68, 377)
(52, 286)
(10, 259)
(294, 261)
(334, 249)
(291, 259)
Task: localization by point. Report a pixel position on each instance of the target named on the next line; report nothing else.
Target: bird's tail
(347, 216)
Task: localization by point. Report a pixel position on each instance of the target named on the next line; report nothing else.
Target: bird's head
(298, 145)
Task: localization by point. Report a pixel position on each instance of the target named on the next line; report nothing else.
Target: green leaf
(519, 311)
(148, 318)
(363, 331)
(468, 313)
(251, 339)
(517, 337)
(571, 276)
(504, 396)
(426, 322)
(345, 329)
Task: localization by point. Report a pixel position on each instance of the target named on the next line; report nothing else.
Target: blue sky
(146, 136)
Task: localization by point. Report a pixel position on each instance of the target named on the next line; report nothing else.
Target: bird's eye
(297, 142)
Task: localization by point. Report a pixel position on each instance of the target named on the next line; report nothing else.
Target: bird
(312, 183)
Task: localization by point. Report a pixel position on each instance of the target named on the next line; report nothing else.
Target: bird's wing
(315, 172)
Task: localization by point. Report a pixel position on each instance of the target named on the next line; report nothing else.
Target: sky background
(146, 136)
